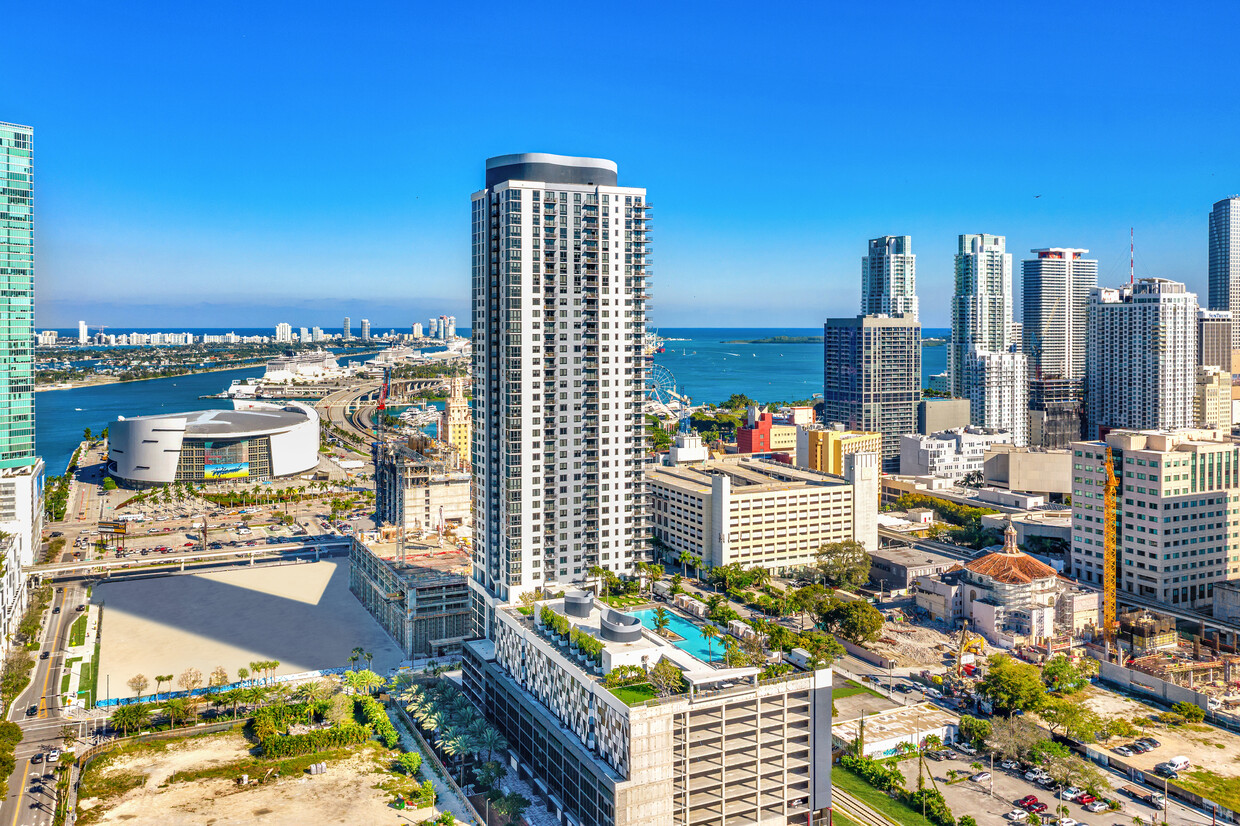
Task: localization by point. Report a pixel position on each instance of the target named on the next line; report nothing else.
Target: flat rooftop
(747, 475)
(904, 723)
(908, 555)
(205, 423)
(424, 563)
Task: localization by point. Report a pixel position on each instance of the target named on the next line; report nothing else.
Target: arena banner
(235, 470)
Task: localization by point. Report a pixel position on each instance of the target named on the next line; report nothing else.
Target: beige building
(824, 448)
(422, 491)
(1031, 470)
(763, 513)
(456, 424)
(1212, 400)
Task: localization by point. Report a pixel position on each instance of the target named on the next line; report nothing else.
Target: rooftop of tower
(551, 169)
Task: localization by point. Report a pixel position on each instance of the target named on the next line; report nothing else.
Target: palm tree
(761, 576)
(132, 716)
(491, 741)
(369, 656)
(661, 620)
(369, 680)
(512, 806)
(254, 695)
(160, 679)
(354, 656)
(177, 709)
(456, 746)
(709, 633)
(312, 691)
(684, 559)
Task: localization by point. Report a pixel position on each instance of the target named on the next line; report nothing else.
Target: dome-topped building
(1008, 593)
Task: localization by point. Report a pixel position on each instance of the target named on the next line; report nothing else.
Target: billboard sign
(112, 528)
(225, 460)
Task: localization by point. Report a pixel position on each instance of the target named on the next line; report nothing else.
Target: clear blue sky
(245, 163)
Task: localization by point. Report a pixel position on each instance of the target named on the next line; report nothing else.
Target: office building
(1046, 473)
(872, 377)
(419, 489)
(416, 329)
(762, 434)
(1212, 399)
(83, 335)
(365, 329)
(948, 454)
(1214, 339)
(823, 448)
(284, 332)
(21, 471)
(1055, 289)
(1177, 512)
(889, 278)
(1225, 261)
(758, 512)
(981, 306)
(1142, 357)
(347, 330)
(558, 374)
(934, 415)
(456, 423)
(999, 392)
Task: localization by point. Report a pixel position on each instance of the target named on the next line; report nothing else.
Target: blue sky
(247, 163)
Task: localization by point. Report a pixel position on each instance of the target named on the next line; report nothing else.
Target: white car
(53, 755)
(1096, 806)
(1033, 774)
(980, 777)
(1008, 764)
(1017, 815)
(1067, 821)
(1070, 793)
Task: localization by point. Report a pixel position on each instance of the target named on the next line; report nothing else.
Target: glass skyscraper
(16, 297)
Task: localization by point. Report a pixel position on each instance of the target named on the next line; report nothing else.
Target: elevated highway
(179, 559)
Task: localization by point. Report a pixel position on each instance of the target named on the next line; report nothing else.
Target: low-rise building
(418, 486)
(1212, 399)
(762, 513)
(886, 732)
(725, 747)
(823, 447)
(1030, 470)
(1078, 609)
(1227, 601)
(950, 454)
(419, 595)
(764, 435)
(896, 567)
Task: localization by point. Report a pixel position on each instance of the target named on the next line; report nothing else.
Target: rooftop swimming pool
(692, 642)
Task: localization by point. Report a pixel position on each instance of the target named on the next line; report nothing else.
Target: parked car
(1085, 798)
(1139, 747)
(1149, 741)
(1124, 750)
(966, 749)
(1036, 808)
(980, 777)
(1069, 793)
(1027, 801)
(1033, 774)
(1096, 806)
(1163, 770)
(1067, 821)
(1010, 765)
(904, 688)
(1017, 815)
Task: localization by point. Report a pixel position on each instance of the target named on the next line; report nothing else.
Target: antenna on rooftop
(1132, 256)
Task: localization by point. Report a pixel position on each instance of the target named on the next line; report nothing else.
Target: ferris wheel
(660, 384)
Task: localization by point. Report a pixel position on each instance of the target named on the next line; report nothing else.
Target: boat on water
(651, 344)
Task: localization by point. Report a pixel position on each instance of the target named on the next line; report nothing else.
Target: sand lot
(345, 794)
(301, 615)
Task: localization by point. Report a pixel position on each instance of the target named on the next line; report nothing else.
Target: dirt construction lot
(346, 794)
(300, 615)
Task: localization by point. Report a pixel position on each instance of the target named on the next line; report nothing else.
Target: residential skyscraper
(365, 329)
(1055, 289)
(1141, 364)
(558, 374)
(1225, 262)
(284, 332)
(416, 329)
(83, 334)
(999, 392)
(21, 471)
(347, 329)
(872, 378)
(982, 305)
(889, 277)
(432, 331)
(303, 335)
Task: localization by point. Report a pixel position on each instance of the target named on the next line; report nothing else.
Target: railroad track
(856, 810)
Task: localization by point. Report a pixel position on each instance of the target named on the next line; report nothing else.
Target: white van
(1179, 763)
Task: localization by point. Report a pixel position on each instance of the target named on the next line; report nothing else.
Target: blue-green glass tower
(16, 296)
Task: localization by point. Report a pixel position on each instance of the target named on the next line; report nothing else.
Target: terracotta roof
(1011, 568)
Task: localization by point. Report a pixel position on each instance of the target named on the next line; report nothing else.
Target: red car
(1036, 808)
(1027, 801)
(1085, 798)
(188, 545)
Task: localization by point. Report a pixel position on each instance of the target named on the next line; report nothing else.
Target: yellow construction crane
(1109, 517)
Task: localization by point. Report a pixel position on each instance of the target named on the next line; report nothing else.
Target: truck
(1150, 798)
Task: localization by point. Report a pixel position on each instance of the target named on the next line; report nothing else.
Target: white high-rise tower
(1055, 290)
(1225, 262)
(559, 299)
(982, 305)
(889, 278)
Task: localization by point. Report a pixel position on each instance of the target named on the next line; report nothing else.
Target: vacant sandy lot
(344, 795)
(301, 615)
(1206, 747)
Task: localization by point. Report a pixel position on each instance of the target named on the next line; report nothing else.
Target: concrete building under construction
(418, 486)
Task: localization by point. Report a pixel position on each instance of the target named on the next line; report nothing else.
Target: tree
(354, 656)
(138, 683)
(243, 674)
(843, 564)
(190, 680)
(1013, 737)
(160, 679)
(666, 678)
(491, 741)
(177, 710)
(1191, 712)
(1072, 718)
(1061, 674)
(709, 633)
(86, 434)
(823, 648)
(1068, 769)
(661, 620)
(135, 716)
(313, 691)
(975, 730)
(857, 621)
(68, 735)
(219, 677)
(1012, 685)
(512, 806)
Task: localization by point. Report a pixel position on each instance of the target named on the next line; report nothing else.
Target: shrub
(1170, 718)
(377, 717)
(280, 746)
(409, 763)
(275, 719)
(1191, 712)
(624, 675)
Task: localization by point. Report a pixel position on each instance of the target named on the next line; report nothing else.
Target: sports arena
(253, 441)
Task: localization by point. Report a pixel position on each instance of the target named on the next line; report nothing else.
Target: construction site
(927, 642)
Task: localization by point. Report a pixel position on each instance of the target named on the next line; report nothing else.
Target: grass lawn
(64, 681)
(849, 688)
(77, 634)
(838, 818)
(1224, 791)
(635, 694)
(625, 601)
(872, 797)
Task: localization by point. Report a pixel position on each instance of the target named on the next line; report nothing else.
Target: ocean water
(708, 369)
